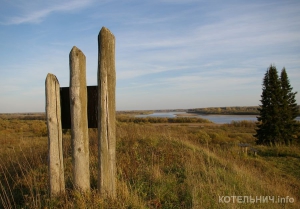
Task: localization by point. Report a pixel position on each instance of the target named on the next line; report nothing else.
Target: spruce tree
(276, 126)
(270, 127)
(261, 132)
(278, 110)
(289, 109)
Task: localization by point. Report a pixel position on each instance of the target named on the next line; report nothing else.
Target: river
(220, 119)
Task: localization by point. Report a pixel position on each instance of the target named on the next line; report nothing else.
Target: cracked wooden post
(106, 114)
(79, 122)
(55, 154)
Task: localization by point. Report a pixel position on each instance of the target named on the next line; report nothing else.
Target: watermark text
(256, 199)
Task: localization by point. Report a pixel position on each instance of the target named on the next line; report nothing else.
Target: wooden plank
(92, 110)
(106, 114)
(55, 154)
(79, 122)
(65, 108)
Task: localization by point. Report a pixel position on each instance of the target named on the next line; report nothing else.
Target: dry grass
(157, 167)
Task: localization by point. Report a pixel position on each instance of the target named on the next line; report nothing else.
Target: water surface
(220, 119)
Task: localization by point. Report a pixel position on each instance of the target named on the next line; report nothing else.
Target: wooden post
(55, 154)
(106, 114)
(79, 123)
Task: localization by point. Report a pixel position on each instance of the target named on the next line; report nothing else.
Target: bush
(129, 119)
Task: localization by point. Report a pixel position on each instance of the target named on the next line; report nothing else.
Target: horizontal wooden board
(92, 110)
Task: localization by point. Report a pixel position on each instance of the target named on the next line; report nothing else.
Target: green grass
(158, 166)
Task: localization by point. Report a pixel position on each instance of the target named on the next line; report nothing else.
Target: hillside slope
(158, 166)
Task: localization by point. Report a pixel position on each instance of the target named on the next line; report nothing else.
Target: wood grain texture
(55, 155)
(79, 121)
(106, 114)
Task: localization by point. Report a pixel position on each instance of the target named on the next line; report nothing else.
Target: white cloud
(168, 52)
(42, 10)
(250, 38)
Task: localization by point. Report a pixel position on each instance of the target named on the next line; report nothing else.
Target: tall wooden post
(55, 154)
(79, 122)
(106, 114)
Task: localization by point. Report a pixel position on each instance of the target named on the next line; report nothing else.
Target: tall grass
(157, 167)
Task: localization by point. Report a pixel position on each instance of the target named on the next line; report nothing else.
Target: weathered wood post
(55, 154)
(79, 121)
(106, 114)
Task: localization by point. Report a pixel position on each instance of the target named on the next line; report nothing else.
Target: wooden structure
(106, 114)
(55, 154)
(245, 147)
(79, 126)
(83, 107)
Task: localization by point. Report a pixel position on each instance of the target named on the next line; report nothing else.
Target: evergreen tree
(278, 110)
(276, 126)
(270, 126)
(261, 132)
(289, 109)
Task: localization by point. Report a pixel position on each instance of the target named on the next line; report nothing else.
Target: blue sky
(169, 53)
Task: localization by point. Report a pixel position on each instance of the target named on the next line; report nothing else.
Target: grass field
(162, 164)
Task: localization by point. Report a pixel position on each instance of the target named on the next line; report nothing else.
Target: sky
(170, 54)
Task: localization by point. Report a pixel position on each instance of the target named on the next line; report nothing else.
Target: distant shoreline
(233, 110)
(227, 113)
(186, 114)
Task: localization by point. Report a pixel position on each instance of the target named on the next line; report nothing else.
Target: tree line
(244, 110)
